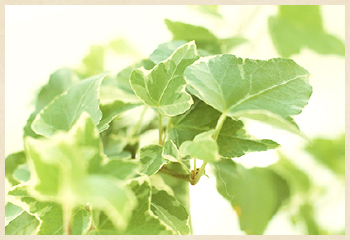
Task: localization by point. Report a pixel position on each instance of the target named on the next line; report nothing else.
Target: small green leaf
(330, 153)
(170, 151)
(170, 211)
(93, 62)
(165, 50)
(256, 194)
(143, 221)
(234, 142)
(24, 224)
(63, 112)
(12, 162)
(59, 82)
(202, 147)
(112, 110)
(163, 87)
(211, 10)
(232, 85)
(151, 158)
(299, 26)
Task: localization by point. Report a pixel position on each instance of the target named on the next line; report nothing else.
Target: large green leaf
(256, 194)
(50, 214)
(232, 141)
(170, 211)
(12, 162)
(59, 81)
(163, 87)
(66, 170)
(234, 86)
(299, 26)
(64, 111)
(203, 37)
(330, 153)
(151, 159)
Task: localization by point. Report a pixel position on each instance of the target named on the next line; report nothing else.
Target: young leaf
(93, 62)
(151, 158)
(165, 50)
(256, 194)
(163, 87)
(202, 147)
(68, 162)
(63, 112)
(12, 162)
(231, 85)
(170, 211)
(299, 26)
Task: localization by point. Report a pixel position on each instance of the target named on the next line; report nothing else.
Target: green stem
(176, 174)
(138, 124)
(201, 171)
(219, 125)
(160, 128)
(67, 218)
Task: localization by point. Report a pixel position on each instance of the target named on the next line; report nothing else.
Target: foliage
(84, 168)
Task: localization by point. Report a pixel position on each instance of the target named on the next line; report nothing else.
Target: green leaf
(170, 151)
(170, 211)
(186, 126)
(24, 224)
(233, 85)
(93, 62)
(306, 212)
(22, 173)
(256, 194)
(12, 162)
(298, 180)
(64, 111)
(233, 141)
(143, 221)
(202, 147)
(122, 169)
(299, 26)
(11, 212)
(204, 39)
(211, 10)
(151, 158)
(122, 46)
(59, 81)
(165, 50)
(68, 162)
(330, 153)
(49, 213)
(163, 87)
(113, 110)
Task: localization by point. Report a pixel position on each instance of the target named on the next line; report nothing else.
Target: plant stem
(219, 125)
(176, 174)
(67, 218)
(160, 129)
(138, 124)
(195, 179)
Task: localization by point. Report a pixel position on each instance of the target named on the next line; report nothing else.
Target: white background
(41, 39)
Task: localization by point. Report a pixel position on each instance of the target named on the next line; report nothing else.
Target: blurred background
(41, 39)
